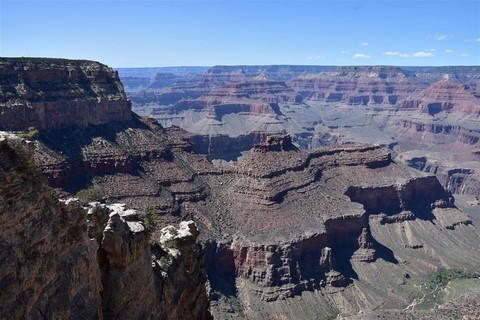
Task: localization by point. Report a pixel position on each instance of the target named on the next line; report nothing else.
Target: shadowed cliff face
(52, 93)
(59, 260)
(48, 266)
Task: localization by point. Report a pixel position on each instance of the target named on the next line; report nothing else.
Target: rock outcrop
(50, 94)
(458, 177)
(48, 265)
(358, 85)
(399, 107)
(288, 233)
(270, 241)
(53, 268)
(445, 95)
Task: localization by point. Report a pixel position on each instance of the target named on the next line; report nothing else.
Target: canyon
(426, 111)
(308, 224)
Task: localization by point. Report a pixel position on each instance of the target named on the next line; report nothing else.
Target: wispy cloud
(433, 49)
(344, 52)
(419, 54)
(473, 40)
(423, 54)
(364, 44)
(391, 53)
(438, 37)
(361, 56)
(448, 51)
(464, 54)
(315, 57)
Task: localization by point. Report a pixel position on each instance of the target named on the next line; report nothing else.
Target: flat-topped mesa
(276, 143)
(49, 94)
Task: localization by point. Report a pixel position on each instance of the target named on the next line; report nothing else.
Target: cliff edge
(59, 260)
(50, 94)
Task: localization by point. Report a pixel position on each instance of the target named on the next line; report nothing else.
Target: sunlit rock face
(48, 94)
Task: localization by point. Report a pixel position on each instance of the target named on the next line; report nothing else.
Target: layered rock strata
(288, 233)
(409, 107)
(49, 94)
(362, 211)
(458, 177)
(358, 85)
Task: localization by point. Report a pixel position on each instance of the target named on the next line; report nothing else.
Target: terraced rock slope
(287, 233)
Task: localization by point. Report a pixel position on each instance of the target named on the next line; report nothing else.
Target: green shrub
(91, 194)
(31, 134)
(443, 276)
(152, 220)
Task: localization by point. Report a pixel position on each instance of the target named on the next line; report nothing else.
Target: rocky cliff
(288, 233)
(49, 94)
(459, 177)
(376, 85)
(48, 265)
(317, 224)
(53, 268)
(400, 107)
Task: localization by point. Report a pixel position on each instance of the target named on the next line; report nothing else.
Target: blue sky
(195, 32)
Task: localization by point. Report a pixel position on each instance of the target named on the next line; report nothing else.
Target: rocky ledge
(284, 222)
(50, 94)
(59, 260)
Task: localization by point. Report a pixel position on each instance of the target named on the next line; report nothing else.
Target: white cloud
(448, 51)
(473, 40)
(440, 37)
(433, 49)
(344, 52)
(464, 54)
(364, 44)
(360, 56)
(315, 57)
(422, 54)
(419, 54)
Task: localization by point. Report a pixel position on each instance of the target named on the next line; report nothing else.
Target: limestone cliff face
(51, 267)
(53, 93)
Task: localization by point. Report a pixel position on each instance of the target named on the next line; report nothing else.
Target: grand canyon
(238, 192)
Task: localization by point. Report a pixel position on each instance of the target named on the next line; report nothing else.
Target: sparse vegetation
(443, 276)
(94, 193)
(152, 220)
(173, 232)
(29, 134)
